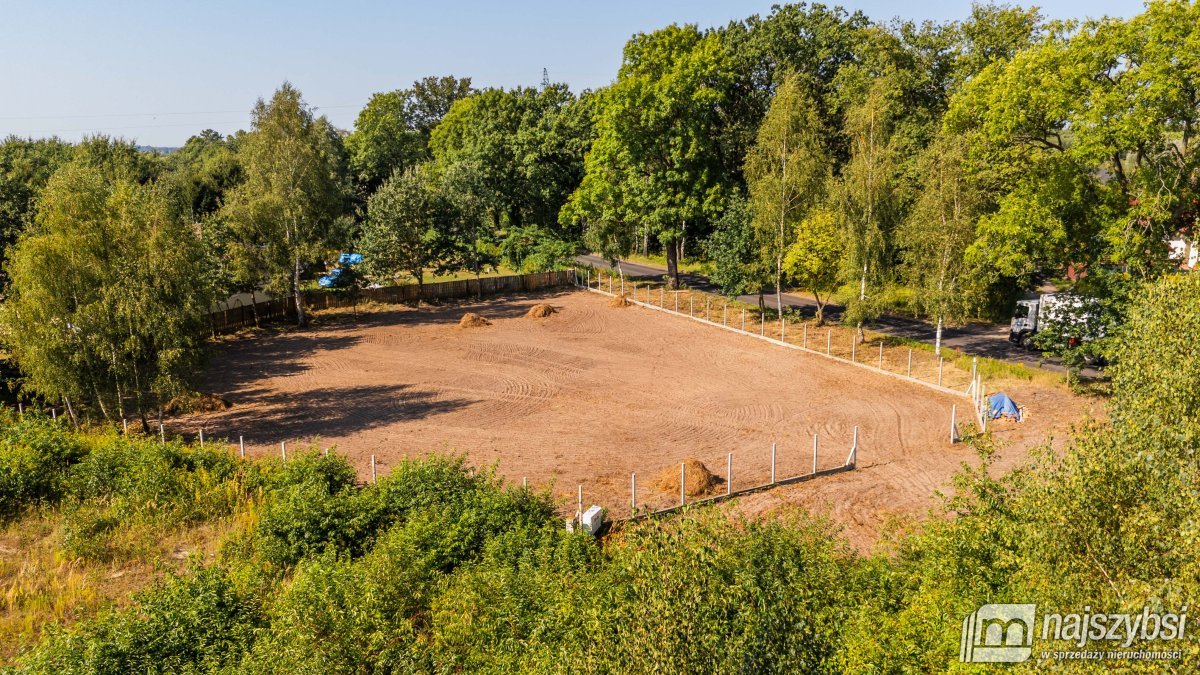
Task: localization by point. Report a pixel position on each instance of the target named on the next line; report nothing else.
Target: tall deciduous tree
(938, 232)
(392, 131)
(400, 234)
(787, 170)
(866, 195)
(654, 161)
(295, 190)
(109, 298)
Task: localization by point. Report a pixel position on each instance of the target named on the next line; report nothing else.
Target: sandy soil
(592, 393)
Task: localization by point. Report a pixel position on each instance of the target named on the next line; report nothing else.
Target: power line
(154, 114)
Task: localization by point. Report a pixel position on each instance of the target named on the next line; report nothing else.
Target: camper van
(1034, 315)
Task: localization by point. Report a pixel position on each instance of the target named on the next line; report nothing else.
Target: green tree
(653, 162)
(401, 232)
(814, 258)
(937, 233)
(787, 170)
(205, 169)
(733, 247)
(25, 167)
(121, 321)
(288, 211)
(866, 196)
(392, 131)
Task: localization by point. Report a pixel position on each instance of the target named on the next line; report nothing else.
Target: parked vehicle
(1076, 318)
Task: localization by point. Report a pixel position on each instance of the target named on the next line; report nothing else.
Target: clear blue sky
(159, 71)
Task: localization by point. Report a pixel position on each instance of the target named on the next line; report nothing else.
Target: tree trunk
(254, 306)
(301, 319)
(672, 266)
(71, 412)
(937, 341)
(820, 309)
(762, 303)
(646, 240)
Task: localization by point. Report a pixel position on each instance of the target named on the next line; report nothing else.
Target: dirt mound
(540, 311)
(698, 479)
(196, 402)
(620, 301)
(472, 320)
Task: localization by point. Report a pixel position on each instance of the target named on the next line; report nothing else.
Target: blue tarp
(350, 259)
(1000, 405)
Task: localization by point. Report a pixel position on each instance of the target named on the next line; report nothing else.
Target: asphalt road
(975, 339)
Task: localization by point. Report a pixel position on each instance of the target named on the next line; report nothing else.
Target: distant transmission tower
(545, 78)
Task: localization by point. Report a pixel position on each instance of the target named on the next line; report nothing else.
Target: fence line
(242, 316)
(969, 394)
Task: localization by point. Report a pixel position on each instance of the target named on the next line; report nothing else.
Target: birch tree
(295, 191)
(786, 171)
(938, 232)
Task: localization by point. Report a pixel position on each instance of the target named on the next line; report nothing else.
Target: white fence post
(743, 319)
(691, 306)
(241, 447)
(162, 434)
(579, 512)
(125, 426)
(881, 354)
(806, 335)
(852, 459)
(910, 361)
(725, 314)
(708, 310)
(782, 328)
(762, 328)
(202, 437)
(662, 297)
(283, 449)
(682, 483)
(828, 341)
(941, 362)
(729, 474)
(953, 424)
(633, 492)
(772, 463)
(853, 349)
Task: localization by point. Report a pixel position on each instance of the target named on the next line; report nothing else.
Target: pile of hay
(472, 320)
(698, 480)
(196, 402)
(619, 301)
(540, 311)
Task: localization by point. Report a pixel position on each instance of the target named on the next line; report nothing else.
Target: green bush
(35, 457)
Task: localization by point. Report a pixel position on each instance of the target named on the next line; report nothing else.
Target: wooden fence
(241, 316)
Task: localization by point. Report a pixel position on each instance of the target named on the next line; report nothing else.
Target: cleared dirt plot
(587, 393)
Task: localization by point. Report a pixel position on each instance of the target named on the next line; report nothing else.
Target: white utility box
(592, 519)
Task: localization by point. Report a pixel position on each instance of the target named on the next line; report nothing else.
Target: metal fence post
(743, 319)
(241, 447)
(953, 424)
(852, 458)
(782, 327)
(202, 437)
(806, 335)
(162, 434)
(772, 463)
(762, 328)
(941, 362)
(633, 492)
(881, 354)
(374, 474)
(283, 449)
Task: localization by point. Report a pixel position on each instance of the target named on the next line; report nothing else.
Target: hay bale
(698, 480)
(196, 402)
(620, 301)
(540, 311)
(472, 320)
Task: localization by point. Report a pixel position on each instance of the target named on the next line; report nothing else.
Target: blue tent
(1000, 405)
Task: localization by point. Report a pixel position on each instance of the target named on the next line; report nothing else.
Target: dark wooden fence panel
(241, 316)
